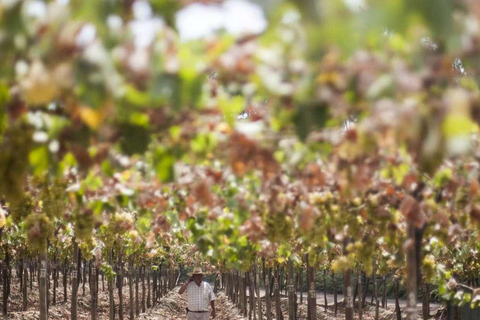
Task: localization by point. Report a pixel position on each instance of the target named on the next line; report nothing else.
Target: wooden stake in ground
(55, 278)
(291, 291)
(137, 301)
(312, 291)
(25, 286)
(43, 285)
(426, 301)
(257, 292)
(65, 270)
(334, 293)
(6, 291)
(300, 284)
(398, 312)
(347, 287)
(375, 290)
(148, 271)
(276, 288)
(130, 287)
(411, 283)
(360, 300)
(120, 286)
(93, 291)
(348, 293)
(268, 301)
(325, 288)
(75, 271)
(110, 288)
(143, 288)
(384, 294)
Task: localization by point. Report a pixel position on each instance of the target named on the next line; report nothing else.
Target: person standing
(199, 296)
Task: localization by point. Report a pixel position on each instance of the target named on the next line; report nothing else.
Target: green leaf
(38, 158)
(438, 15)
(135, 139)
(164, 163)
(136, 97)
(175, 132)
(457, 125)
(309, 116)
(140, 119)
(231, 108)
(4, 97)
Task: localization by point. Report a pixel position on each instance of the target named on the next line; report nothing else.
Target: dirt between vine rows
(170, 307)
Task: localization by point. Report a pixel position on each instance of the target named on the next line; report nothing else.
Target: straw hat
(196, 270)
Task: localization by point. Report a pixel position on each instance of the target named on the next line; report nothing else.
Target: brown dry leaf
(306, 218)
(390, 191)
(475, 213)
(202, 193)
(161, 224)
(410, 208)
(253, 228)
(183, 215)
(382, 212)
(474, 188)
(409, 181)
(441, 218)
(247, 154)
(313, 176)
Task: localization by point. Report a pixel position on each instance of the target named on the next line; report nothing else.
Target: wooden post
(300, 285)
(375, 289)
(137, 301)
(55, 279)
(257, 292)
(25, 287)
(130, 287)
(43, 285)
(334, 293)
(384, 292)
(348, 294)
(84, 276)
(65, 284)
(5, 281)
(276, 288)
(75, 272)
(143, 289)
(325, 288)
(154, 287)
(110, 289)
(291, 291)
(251, 296)
(120, 285)
(312, 291)
(93, 291)
(148, 271)
(398, 312)
(366, 281)
(360, 300)
(411, 282)
(268, 301)
(426, 301)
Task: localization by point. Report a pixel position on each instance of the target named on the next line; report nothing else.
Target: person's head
(197, 275)
(198, 278)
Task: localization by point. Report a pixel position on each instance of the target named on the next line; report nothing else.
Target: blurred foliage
(326, 134)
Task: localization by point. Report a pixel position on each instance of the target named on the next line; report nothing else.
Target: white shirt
(199, 297)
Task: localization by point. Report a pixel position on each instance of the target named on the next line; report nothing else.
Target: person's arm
(184, 286)
(212, 304)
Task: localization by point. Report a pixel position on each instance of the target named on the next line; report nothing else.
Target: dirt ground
(170, 307)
